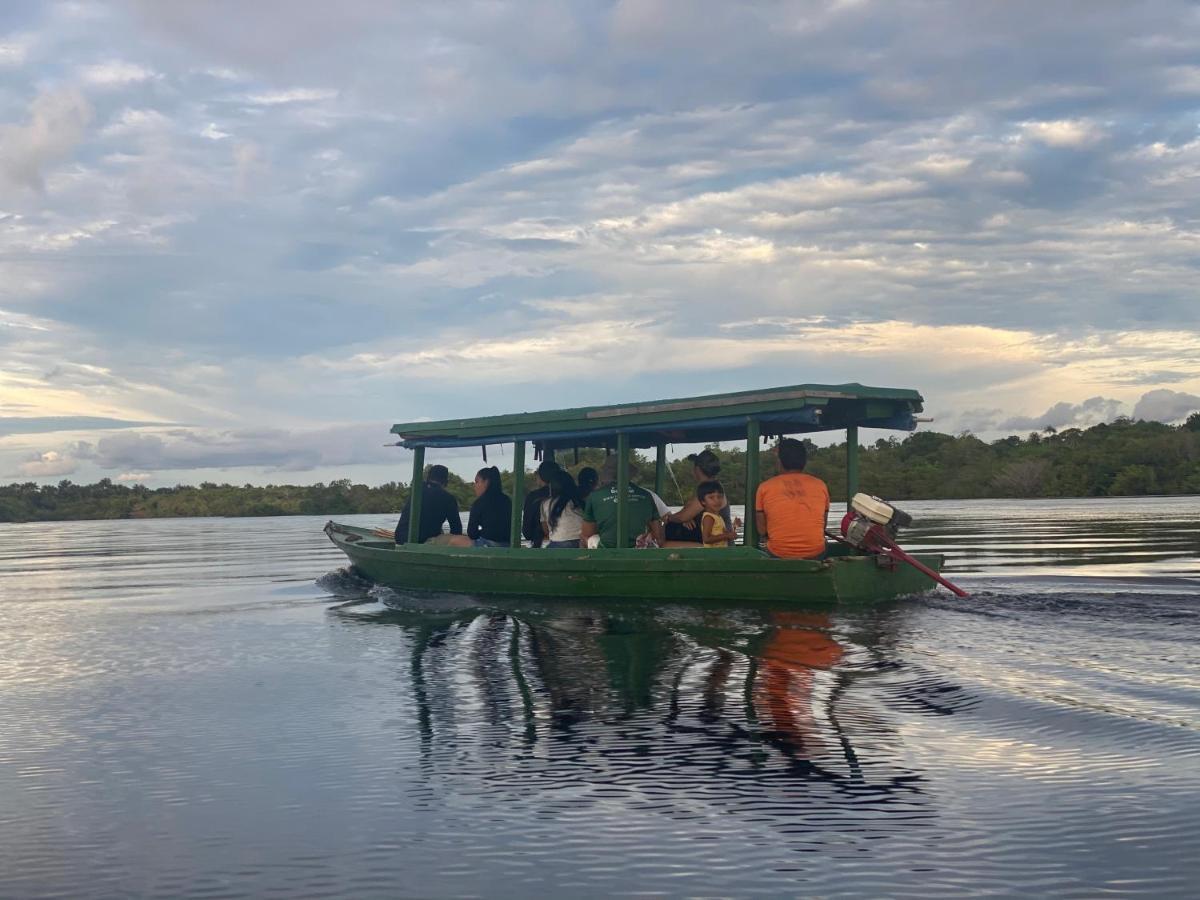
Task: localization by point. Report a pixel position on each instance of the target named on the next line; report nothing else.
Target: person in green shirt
(600, 511)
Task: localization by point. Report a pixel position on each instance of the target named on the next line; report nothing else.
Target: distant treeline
(1123, 458)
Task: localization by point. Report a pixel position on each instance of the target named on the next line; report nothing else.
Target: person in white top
(561, 518)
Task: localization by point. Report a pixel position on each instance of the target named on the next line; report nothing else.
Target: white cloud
(294, 95)
(1063, 133)
(136, 122)
(629, 344)
(820, 191)
(1164, 405)
(47, 465)
(116, 74)
(1159, 405)
(57, 122)
(14, 51)
(1067, 415)
(11, 319)
(223, 73)
(941, 165)
(134, 476)
(1184, 79)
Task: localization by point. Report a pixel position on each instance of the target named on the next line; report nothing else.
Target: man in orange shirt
(792, 508)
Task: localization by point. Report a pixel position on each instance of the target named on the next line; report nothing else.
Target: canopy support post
(518, 497)
(851, 463)
(750, 535)
(660, 468)
(622, 490)
(416, 490)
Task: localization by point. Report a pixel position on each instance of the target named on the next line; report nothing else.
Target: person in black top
(531, 513)
(437, 506)
(490, 522)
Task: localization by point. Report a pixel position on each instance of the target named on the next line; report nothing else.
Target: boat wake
(345, 584)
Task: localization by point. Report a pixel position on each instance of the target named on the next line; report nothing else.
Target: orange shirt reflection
(783, 690)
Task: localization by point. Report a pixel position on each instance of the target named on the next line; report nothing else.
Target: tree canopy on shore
(1121, 458)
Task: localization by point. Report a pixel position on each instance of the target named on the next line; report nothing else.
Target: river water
(212, 708)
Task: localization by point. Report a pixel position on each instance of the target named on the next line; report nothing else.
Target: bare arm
(760, 519)
(586, 530)
(690, 510)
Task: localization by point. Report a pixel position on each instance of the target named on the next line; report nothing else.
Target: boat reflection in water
(692, 711)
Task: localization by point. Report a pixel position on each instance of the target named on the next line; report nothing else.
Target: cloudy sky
(239, 240)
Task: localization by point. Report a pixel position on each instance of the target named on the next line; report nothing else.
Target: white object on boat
(878, 511)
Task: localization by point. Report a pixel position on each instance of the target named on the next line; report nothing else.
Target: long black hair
(563, 493)
(588, 479)
(491, 475)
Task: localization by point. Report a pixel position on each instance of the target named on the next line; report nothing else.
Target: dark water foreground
(207, 708)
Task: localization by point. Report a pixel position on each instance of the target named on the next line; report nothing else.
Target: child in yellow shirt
(712, 527)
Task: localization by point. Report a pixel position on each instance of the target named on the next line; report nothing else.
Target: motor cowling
(880, 511)
(870, 518)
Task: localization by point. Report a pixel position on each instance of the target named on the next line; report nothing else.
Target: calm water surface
(211, 708)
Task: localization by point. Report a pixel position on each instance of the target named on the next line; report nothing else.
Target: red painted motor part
(873, 537)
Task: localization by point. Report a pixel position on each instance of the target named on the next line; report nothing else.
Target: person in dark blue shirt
(437, 507)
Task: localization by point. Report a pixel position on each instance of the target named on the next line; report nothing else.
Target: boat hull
(736, 573)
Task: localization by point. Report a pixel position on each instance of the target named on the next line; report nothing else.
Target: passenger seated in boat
(490, 521)
(792, 509)
(562, 513)
(588, 479)
(600, 511)
(531, 512)
(684, 526)
(437, 507)
(713, 532)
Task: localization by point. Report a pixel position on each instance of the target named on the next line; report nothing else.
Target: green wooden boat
(742, 573)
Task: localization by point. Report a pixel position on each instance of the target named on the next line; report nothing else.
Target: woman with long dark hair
(490, 522)
(561, 513)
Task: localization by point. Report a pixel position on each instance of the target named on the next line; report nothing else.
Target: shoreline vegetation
(1118, 459)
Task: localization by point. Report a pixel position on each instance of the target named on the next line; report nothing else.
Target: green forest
(1121, 458)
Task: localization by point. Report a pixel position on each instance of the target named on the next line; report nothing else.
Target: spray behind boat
(871, 525)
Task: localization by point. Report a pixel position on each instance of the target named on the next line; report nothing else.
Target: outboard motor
(871, 525)
(866, 511)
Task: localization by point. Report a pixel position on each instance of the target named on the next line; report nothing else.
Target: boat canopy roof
(689, 420)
